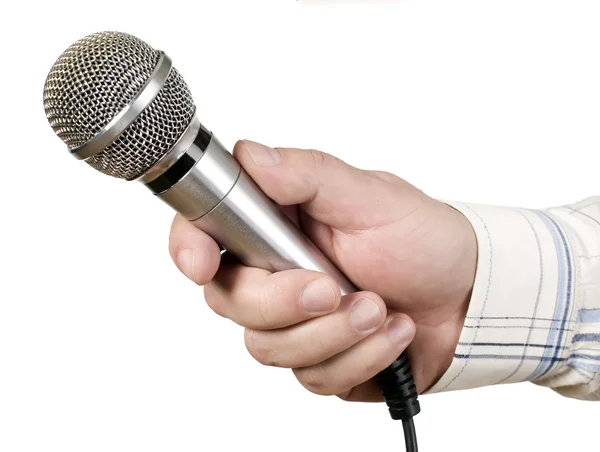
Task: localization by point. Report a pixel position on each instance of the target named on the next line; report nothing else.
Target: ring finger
(316, 340)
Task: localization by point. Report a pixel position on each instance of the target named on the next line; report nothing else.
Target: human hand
(412, 257)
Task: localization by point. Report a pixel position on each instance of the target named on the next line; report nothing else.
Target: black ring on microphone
(185, 163)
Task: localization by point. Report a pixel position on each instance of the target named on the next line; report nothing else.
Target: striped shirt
(534, 313)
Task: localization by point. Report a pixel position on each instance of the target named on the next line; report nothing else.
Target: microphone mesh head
(93, 80)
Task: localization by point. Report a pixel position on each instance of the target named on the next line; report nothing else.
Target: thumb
(330, 190)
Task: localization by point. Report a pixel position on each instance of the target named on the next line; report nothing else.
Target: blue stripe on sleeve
(563, 297)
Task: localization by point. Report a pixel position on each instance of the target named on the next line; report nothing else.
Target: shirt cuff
(522, 314)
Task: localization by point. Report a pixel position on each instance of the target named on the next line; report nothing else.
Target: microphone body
(209, 187)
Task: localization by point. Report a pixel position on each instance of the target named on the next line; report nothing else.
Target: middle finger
(316, 340)
(258, 299)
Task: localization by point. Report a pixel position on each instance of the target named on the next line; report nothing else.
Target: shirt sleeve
(534, 313)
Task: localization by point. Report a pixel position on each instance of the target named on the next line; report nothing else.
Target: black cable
(410, 435)
(400, 394)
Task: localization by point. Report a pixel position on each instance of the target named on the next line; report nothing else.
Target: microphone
(120, 106)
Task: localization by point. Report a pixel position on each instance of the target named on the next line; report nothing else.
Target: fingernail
(365, 314)
(262, 155)
(318, 296)
(186, 263)
(400, 331)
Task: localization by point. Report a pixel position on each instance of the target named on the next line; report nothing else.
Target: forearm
(534, 314)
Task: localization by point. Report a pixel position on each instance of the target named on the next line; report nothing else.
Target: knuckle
(320, 346)
(265, 307)
(315, 380)
(273, 311)
(318, 159)
(346, 396)
(384, 176)
(371, 365)
(259, 348)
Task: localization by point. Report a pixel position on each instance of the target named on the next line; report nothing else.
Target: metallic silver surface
(151, 135)
(250, 226)
(206, 184)
(218, 197)
(171, 157)
(94, 80)
(109, 133)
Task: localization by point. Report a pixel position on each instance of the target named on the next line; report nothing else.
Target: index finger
(194, 252)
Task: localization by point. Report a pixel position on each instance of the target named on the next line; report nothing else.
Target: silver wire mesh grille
(97, 77)
(92, 81)
(151, 135)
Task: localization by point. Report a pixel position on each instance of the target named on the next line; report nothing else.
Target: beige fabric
(535, 310)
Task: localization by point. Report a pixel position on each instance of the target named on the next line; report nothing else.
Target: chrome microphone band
(200, 179)
(129, 114)
(192, 150)
(195, 132)
(173, 175)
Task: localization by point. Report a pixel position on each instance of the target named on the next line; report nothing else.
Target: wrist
(457, 300)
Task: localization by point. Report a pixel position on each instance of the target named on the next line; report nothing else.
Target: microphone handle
(252, 227)
(221, 199)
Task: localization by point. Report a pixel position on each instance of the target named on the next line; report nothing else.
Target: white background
(104, 345)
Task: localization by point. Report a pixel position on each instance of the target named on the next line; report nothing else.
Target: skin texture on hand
(413, 258)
